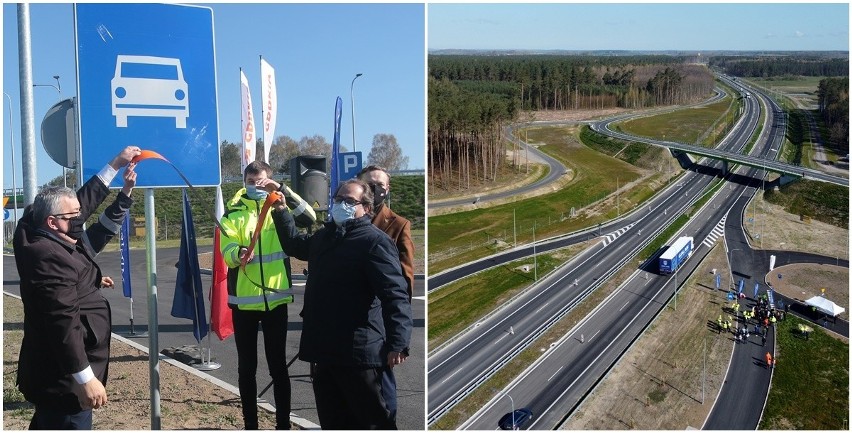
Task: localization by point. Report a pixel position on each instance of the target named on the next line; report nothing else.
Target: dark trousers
(53, 419)
(389, 391)
(351, 398)
(274, 324)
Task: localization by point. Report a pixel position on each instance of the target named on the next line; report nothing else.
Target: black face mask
(379, 194)
(75, 228)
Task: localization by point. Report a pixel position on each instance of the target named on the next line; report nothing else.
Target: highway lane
(557, 382)
(470, 358)
(175, 332)
(473, 354)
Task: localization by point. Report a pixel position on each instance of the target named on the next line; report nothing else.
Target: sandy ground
(186, 401)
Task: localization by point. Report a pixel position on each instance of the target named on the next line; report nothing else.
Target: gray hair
(48, 202)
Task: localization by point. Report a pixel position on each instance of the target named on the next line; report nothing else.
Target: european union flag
(189, 295)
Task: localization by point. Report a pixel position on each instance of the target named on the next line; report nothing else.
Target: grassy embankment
(810, 385)
(465, 236)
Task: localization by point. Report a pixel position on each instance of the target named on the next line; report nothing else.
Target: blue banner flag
(742, 283)
(334, 176)
(756, 289)
(189, 294)
(718, 281)
(770, 297)
(124, 241)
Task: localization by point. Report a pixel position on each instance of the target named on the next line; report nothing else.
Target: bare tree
(387, 153)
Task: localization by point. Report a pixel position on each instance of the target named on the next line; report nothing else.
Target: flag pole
(124, 241)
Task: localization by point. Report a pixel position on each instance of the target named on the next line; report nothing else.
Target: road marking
(625, 304)
(593, 336)
(448, 377)
(498, 340)
(542, 307)
(554, 374)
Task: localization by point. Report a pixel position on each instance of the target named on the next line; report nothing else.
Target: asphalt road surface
(175, 332)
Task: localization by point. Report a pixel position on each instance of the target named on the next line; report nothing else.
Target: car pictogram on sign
(151, 87)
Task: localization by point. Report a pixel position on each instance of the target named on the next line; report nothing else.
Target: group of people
(763, 314)
(356, 318)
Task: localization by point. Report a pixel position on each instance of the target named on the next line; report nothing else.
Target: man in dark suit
(397, 227)
(64, 357)
(399, 230)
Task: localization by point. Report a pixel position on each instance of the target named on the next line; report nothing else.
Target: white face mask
(342, 212)
(256, 194)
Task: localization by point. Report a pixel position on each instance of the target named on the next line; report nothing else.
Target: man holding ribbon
(64, 356)
(259, 289)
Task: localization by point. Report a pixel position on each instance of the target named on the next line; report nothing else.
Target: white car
(149, 86)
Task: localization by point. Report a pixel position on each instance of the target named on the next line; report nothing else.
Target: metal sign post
(147, 77)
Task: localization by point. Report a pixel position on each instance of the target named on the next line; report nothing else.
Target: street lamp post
(352, 97)
(513, 410)
(12, 142)
(58, 88)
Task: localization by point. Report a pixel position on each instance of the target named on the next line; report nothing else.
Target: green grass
(683, 126)
(596, 176)
(461, 303)
(822, 201)
(789, 84)
(810, 385)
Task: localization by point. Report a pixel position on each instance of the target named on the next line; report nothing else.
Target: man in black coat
(64, 357)
(357, 315)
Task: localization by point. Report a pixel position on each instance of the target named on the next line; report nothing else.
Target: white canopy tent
(825, 306)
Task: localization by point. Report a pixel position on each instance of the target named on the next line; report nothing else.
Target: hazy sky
(316, 50)
(662, 26)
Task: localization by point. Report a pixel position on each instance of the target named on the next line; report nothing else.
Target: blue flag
(742, 283)
(334, 178)
(189, 294)
(756, 289)
(718, 281)
(125, 257)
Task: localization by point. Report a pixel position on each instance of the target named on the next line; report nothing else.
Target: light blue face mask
(342, 212)
(256, 194)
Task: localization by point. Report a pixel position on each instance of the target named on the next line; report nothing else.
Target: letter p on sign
(349, 164)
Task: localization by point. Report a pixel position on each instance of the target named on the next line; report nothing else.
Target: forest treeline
(780, 66)
(834, 108)
(471, 98)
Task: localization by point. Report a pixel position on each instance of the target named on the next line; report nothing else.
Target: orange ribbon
(147, 154)
(270, 200)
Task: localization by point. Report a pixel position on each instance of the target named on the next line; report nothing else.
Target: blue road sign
(147, 77)
(349, 164)
(5, 214)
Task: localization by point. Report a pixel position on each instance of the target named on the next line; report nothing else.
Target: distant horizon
(539, 50)
(640, 26)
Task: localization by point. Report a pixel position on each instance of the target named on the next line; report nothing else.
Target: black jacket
(356, 303)
(66, 319)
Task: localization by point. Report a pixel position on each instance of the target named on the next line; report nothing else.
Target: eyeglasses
(348, 200)
(62, 216)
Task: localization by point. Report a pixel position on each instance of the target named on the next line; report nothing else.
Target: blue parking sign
(147, 77)
(348, 164)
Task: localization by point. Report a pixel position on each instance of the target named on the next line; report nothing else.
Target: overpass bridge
(788, 171)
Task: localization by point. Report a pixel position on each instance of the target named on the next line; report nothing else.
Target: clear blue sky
(662, 26)
(316, 51)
